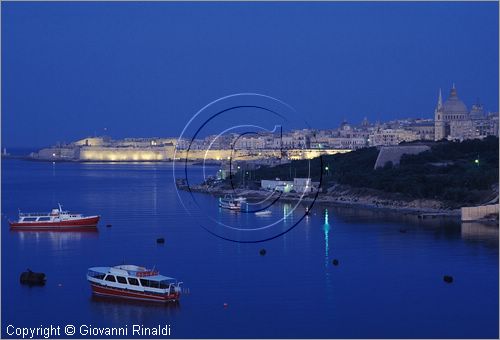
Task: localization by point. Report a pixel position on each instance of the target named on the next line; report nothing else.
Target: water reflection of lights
(58, 239)
(307, 221)
(155, 191)
(479, 231)
(123, 309)
(326, 229)
(287, 213)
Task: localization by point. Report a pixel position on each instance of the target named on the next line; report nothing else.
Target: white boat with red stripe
(133, 282)
(57, 219)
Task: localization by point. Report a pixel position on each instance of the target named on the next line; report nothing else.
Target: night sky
(69, 70)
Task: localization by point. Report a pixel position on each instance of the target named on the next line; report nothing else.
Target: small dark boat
(31, 278)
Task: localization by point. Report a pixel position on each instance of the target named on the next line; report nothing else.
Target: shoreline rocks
(343, 198)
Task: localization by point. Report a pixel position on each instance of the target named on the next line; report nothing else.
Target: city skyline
(453, 121)
(250, 169)
(397, 123)
(72, 70)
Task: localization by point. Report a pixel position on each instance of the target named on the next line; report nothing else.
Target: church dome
(454, 104)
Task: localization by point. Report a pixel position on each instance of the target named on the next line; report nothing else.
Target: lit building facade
(453, 121)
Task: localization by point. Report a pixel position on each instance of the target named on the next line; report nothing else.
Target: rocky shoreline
(341, 196)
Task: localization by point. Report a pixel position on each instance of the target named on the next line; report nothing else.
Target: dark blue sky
(142, 69)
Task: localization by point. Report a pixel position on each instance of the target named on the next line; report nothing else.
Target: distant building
(351, 143)
(250, 143)
(453, 121)
(93, 141)
(386, 137)
(425, 129)
(276, 185)
(304, 185)
(298, 185)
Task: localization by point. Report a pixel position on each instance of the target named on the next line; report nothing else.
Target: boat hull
(86, 223)
(133, 295)
(230, 207)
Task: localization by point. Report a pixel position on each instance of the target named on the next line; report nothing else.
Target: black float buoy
(31, 278)
(402, 231)
(160, 240)
(262, 252)
(448, 278)
(108, 225)
(335, 262)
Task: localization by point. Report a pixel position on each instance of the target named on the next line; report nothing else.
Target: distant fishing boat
(263, 213)
(133, 282)
(228, 202)
(57, 219)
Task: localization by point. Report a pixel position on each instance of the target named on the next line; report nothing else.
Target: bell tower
(439, 127)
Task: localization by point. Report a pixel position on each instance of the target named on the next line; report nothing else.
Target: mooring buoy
(31, 278)
(448, 278)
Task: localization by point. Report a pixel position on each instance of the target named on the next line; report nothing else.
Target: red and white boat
(133, 282)
(58, 219)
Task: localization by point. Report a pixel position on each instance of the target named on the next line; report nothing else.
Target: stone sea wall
(167, 153)
(480, 212)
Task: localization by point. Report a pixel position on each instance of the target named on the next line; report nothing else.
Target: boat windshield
(163, 284)
(166, 283)
(96, 275)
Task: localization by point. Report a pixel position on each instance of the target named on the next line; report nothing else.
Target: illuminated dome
(454, 104)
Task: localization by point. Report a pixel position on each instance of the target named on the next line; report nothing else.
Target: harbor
(250, 170)
(232, 282)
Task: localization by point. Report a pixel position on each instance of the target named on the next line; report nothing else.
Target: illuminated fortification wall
(166, 153)
(125, 154)
(242, 155)
(312, 153)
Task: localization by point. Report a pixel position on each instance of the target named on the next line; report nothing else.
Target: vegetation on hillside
(459, 173)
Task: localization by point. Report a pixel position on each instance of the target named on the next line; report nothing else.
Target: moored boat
(263, 213)
(57, 219)
(228, 202)
(133, 282)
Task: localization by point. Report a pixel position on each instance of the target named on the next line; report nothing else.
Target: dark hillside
(458, 173)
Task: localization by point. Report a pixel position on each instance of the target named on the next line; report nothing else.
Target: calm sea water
(388, 283)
